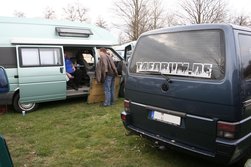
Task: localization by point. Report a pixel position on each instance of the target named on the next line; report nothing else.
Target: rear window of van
(197, 54)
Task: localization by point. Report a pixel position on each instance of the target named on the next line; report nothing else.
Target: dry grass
(73, 133)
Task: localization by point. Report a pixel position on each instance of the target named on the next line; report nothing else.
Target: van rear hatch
(177, 89)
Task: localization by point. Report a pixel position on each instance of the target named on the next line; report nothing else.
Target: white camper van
(32, 52)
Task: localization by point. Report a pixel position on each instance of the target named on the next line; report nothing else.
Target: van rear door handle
(165, 87)
(61, 69)
(15, 76)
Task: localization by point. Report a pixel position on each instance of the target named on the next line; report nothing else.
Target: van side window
(8, 57)
(245, 52)
(40, 57)
(29, 57)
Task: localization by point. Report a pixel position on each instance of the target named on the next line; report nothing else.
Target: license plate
(166, 118)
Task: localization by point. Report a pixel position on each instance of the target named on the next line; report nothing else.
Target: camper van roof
(44, 31)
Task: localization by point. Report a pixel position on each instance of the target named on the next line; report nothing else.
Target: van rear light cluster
(124, 116)
(126, 105)
(227, 130)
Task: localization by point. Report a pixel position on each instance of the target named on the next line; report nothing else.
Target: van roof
(197, 27)
(44, 31)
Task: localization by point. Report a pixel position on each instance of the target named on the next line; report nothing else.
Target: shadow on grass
(174, 158)
(55, 104)
(60, 103)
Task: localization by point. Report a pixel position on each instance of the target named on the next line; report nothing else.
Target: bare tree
(139, 16)
(134, 15)
(49, 13)
(81, 12)
(242, 20)
(204, 11)
(122, 38)
(19, 14)
(156, 14)
(171, 19)
(75, 11)
(70, 12)
(101, 23)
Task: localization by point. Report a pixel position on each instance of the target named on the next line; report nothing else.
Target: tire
(122, 90)
(19, 107)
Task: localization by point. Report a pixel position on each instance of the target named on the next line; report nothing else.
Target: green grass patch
(74, 133)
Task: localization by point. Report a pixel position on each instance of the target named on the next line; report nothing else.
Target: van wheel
(27, 107)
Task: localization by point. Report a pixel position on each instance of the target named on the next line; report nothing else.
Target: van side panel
(45, 86)
(199, 98)
(41, 73)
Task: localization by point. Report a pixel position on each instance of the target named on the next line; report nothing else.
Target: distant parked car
(125, 50)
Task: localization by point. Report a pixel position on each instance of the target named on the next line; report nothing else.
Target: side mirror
(128, 48)
(4, 83)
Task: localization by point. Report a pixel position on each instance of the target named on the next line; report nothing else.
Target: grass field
(74, 133)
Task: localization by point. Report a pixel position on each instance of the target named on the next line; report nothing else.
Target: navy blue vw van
(189, 88)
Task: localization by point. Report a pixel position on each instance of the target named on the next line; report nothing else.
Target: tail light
(126, 105)
(125, 115)
(227, 130)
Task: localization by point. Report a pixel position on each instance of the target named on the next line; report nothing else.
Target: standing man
(106, 72)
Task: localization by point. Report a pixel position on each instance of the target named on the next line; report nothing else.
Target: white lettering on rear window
(201, 70)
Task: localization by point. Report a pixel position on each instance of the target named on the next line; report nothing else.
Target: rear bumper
(233, 150)
(226, 151)
(169, 142)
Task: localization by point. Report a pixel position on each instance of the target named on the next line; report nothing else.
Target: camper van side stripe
(8, 57)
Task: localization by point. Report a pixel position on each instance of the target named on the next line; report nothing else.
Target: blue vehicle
(189, 88)
(5, 158)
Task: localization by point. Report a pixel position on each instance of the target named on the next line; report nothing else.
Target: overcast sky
(103, 8)
(97, 8)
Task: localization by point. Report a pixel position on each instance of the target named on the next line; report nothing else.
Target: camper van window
(30, 57)
(40, 57)
(9, 61)
(50, 56)
(88, 58)
(245, 51)
(197, 54)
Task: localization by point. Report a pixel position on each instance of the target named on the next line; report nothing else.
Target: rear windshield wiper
(156, 73)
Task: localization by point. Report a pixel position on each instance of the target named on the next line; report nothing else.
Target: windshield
(197, 54)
